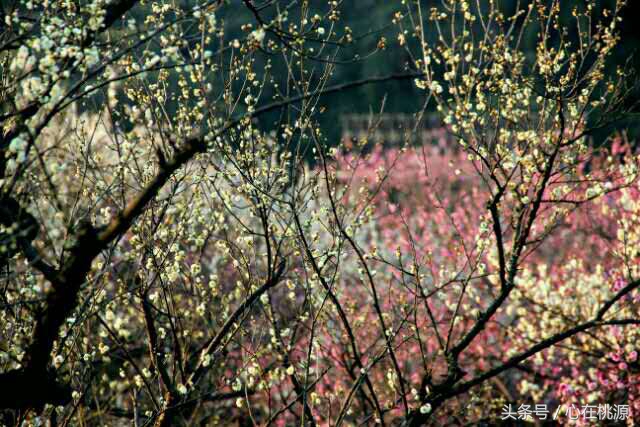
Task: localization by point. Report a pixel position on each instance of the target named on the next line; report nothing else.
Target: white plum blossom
(258, 35)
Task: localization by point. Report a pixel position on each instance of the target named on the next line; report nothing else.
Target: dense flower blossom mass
(182, 242)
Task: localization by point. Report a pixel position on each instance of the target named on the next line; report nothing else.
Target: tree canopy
(186, 237)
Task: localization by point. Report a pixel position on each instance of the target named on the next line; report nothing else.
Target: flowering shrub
(558, 286)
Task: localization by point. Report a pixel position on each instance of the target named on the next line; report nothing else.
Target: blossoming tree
(183, 244)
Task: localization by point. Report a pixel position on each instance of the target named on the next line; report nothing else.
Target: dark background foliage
(371, 20)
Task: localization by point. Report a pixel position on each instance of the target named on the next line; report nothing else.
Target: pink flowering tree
(483, 251)
(534, 348)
